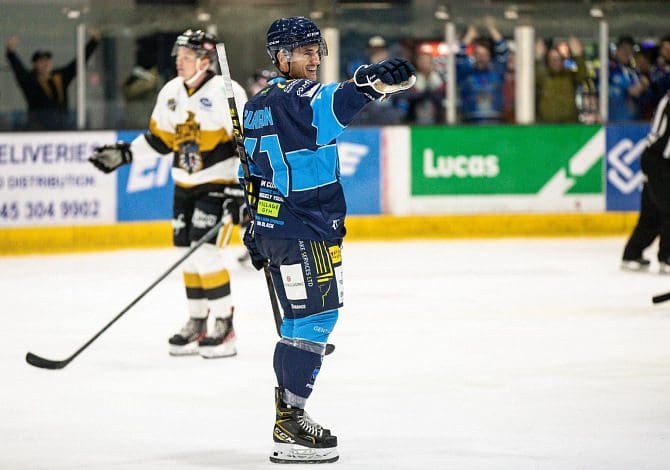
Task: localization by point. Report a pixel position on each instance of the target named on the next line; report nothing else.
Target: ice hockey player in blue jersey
(290, 131)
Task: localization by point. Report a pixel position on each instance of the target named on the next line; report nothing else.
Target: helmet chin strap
(286, 74)
(196, 76)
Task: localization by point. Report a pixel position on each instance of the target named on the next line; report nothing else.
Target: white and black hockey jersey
(194, 126)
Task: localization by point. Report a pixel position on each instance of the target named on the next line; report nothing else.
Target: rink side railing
(400, 182)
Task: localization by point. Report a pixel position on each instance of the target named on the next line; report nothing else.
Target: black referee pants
(654, 219)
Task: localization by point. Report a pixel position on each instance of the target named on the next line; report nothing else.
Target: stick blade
(657, 299)
(42, 363)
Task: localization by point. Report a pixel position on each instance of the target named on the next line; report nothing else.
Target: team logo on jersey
(189, 157)
(187, 137)
(307, 89)
(172, 104)
(206, 102)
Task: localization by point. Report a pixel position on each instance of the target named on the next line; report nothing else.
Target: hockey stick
(38, 361)
(242, 154)
(657, 299)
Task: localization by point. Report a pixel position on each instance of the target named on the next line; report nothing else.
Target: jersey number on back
(270, 146)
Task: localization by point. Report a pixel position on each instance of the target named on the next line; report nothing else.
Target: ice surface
(482, 354)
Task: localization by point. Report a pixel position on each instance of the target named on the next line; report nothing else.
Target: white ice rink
(493, 354)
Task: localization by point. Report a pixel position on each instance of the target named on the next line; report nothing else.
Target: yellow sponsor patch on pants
(335, 254)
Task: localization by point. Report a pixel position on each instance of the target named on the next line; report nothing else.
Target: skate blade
(634, 266)
(294, 453)
(215, 352)
(189, 349)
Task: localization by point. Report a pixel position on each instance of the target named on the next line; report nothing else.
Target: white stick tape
(225, 70)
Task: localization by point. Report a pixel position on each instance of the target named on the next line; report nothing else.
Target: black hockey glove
(109, 157)
(388, 76)
(233, 204)
(257, 259)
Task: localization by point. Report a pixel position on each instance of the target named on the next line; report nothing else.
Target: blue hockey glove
(109, 157)
(257, 259)
(388, 76)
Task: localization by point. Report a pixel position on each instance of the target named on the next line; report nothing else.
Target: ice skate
(186, 341)
(221, 342)
(299, 439)
(639, 264)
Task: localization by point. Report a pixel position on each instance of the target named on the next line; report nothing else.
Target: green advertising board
(506, 160)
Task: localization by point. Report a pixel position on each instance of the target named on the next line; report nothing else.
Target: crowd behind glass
(566, 77)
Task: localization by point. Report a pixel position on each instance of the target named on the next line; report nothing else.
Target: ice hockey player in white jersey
(191, 124)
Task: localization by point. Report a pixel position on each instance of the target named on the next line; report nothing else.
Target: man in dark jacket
(44, 87)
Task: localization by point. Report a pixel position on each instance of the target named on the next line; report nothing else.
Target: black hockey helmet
(285, 34)
(204, 44)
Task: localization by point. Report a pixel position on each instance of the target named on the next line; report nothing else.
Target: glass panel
(133, 58)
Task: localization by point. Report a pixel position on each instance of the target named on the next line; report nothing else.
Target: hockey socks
(297, 364)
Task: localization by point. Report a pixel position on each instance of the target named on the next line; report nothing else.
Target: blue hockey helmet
(204, 44)
(285, 34)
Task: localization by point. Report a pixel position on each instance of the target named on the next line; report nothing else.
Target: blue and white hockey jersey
(290, 129)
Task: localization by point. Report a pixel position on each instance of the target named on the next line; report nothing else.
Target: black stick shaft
(44, 363)
(244, 161)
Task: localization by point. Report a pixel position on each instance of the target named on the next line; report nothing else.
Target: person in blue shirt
(660, 71)
(627, 88)
(481, 76)
(290, 131)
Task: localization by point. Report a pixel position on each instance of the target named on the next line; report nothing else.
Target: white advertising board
(46, 180)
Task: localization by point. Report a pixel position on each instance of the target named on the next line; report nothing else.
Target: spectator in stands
(627, 89)
(384, 112)
(659, 75)
(427, 96)
(588, 100)
(44, 87)
(481, 75)
(377, 50)
(141, 86)
(139, 91)
(259, 80)
(557, 80)
(642, 60)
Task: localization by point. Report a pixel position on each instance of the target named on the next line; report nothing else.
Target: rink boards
(400, 182)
